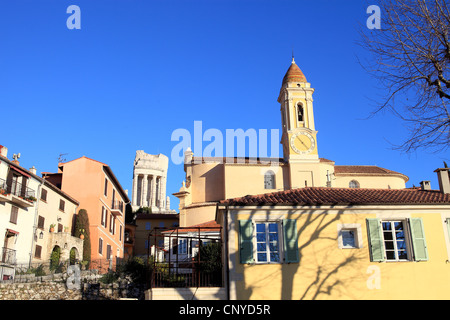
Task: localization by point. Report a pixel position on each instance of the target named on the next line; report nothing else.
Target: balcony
(3, 195)
(8, 256)
(21, 195)
(117, 207)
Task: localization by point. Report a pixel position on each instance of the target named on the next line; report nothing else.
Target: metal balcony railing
(8, 256)
(3, 186)
(19, 190)
(117, 205)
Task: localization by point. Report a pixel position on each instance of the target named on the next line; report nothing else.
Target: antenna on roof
(293, 61)
(60, 158)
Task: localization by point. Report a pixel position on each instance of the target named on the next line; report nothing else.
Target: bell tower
(297, 117)
(299, 134)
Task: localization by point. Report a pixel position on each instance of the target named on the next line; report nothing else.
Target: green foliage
(82, 227)
(54, 258)
(210, 257)
(146, 210)
(136, 268)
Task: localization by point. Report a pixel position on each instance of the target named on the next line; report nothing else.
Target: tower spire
(293, 61)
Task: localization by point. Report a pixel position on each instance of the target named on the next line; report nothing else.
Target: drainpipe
(227, 266)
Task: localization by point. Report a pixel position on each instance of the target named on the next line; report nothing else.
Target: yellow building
(301, 227)
(338, 243)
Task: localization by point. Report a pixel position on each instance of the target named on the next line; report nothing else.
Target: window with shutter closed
(41, 222)
(37, 252)
(14, 214)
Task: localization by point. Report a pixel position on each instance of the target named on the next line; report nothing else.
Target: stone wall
(57, 290)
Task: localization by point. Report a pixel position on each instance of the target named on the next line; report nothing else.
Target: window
(397, 240)
(120, 234)
(108, 252)
(300, 112)
(100, 245)
(182, 246)
(349, 236)
(60, 227)
(106, 187)
(111, 223)
(268, 241)
(394, 240)
(353, 184)
(37, 252)
(161, 224)
(62, 204)
(14, 214)
(44, 195)
(41, 222)
(148, 226)
(269, 180)
(103, 216)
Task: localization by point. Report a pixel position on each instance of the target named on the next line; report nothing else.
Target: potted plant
(52, 227)
(66, 229)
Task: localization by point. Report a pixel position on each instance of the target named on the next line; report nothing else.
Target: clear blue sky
(139, 69)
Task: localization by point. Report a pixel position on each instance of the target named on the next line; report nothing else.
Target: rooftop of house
(343, 196)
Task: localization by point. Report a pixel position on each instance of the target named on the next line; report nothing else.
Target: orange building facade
(99, 192)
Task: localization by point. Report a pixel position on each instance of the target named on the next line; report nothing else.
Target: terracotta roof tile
(342, 196)
(294, 74)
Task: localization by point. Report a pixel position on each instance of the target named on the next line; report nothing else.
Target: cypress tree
(82, 227)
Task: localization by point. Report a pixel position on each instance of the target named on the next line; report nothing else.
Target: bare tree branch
(411, 58)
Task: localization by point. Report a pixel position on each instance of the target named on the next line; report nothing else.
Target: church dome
(294, 74)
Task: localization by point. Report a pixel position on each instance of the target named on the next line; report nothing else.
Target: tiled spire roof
(294, 74)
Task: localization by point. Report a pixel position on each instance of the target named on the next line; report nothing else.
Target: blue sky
(139, 69)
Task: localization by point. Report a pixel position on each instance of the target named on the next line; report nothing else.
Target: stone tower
(149, 182)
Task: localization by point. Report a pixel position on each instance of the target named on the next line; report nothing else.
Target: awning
(12, 231)
(20, 171)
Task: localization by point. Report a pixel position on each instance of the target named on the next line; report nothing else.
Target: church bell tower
(298, 131)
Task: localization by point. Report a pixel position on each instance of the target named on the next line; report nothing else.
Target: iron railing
(117, 205)
(184, 275)
(19, 190)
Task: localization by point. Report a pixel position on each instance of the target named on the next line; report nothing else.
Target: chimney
(33, 170)
(425, 185)
(3, 151)
(444, 179)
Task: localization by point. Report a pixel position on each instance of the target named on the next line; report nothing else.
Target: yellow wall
(380, 182)
(327, 272)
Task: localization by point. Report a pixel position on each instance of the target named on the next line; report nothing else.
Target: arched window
(353, 184)
(300, 112)
(269, 180)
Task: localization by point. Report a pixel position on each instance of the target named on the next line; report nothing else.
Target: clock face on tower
(302, 142)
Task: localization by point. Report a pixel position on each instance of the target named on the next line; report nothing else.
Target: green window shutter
(418, 239)
(375, 240)
(246, 241)
(290, 241)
